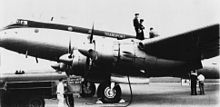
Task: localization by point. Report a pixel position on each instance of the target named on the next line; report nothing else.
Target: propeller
(72, 57)
(70, 49)
(91, 35)
(67, 58)
(89, 59)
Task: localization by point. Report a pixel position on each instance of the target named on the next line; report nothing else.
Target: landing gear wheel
(36, 102)
(88, 89)
(109, 95)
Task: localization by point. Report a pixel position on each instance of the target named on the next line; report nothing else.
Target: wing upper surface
(200, 44)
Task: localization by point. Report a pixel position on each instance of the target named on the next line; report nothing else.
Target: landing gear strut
(109, 92)
(88, 89)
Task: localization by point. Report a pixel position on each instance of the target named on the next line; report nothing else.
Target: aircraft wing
(200, 44)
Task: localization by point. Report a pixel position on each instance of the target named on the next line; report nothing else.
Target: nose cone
(2, 35)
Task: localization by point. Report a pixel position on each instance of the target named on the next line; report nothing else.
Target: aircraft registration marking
(114, 35)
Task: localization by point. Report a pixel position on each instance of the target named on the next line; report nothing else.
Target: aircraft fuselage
(117, 56)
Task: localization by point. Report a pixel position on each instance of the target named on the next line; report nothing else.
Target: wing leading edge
(192, 46)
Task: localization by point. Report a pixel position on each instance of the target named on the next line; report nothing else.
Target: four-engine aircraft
(99, 56)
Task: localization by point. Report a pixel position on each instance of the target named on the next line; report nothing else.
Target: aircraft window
(70, 28)
(18, 21)
(24, 22)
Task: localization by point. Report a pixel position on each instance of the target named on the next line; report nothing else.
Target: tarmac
(156, 94)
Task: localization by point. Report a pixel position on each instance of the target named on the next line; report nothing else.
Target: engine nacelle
(79, 63)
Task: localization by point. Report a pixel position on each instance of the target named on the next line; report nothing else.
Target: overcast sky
(168, 17)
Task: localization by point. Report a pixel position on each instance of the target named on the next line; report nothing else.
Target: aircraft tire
(106, 95)
(88, 91)
(36, 102)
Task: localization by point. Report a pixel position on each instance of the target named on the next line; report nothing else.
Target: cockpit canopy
(22, 22)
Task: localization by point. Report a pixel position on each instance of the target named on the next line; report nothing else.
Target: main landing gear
(107, 92)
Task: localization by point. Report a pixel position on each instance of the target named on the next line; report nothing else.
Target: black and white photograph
(107, 53)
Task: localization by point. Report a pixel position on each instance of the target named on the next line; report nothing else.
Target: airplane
(99, 56)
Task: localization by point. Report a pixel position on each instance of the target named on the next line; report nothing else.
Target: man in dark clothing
(141, 35)
(151, 33)
(136, 24)
(193, 77)
(69, 98)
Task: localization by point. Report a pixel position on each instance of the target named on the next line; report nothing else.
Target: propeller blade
(92, 32)
(70, 52)
(69, 49)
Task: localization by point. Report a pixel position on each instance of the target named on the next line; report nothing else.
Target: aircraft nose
(1, 35)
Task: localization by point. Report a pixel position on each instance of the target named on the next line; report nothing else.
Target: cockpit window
(22, 22)
(18, 21)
